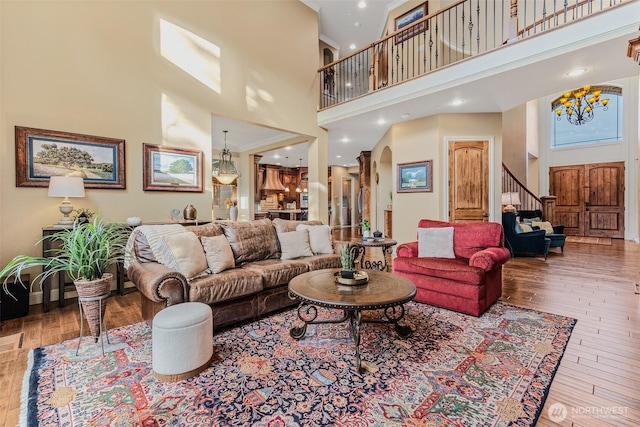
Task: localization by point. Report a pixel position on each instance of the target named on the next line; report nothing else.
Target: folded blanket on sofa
(153, 234)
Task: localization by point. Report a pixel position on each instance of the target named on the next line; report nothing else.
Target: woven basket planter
(92, 309)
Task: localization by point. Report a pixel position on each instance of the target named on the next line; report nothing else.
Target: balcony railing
(460, 31)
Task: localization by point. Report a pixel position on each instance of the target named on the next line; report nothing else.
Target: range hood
(272, 181)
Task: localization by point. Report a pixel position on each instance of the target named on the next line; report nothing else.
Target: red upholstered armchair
(471, 280)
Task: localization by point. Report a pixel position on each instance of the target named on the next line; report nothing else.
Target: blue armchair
(519, 243)
(557, 237)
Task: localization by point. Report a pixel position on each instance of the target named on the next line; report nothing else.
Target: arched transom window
(587, 115)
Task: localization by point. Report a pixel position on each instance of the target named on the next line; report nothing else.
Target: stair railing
(455, 33)
(511, 184)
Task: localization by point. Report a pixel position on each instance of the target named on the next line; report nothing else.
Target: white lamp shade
(66, 186)
(512, 198)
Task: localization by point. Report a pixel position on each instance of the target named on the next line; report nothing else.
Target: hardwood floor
(599, 374)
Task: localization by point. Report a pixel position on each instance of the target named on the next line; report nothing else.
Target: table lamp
(66, 186)
(510, 201)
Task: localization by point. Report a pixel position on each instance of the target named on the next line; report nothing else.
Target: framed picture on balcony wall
(41, 154)
(171, 169)
(415, 177)
(409, 18)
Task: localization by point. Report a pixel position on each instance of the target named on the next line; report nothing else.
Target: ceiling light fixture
(381, 121)
(345, 139)
(457, 102)
(352, 46)
(579, 104)
(224, 171)
(362, 4)
(576, 72)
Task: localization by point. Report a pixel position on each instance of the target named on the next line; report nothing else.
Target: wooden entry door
(590, 198)
(468, 181)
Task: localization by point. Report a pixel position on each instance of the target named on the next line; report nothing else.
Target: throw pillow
(294, 244)
(544, 225)
(526, 228)
(218, 253)
(184, 253)
(319, 238)
(435, 242)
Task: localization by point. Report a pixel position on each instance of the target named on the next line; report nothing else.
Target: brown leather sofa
(256, 286)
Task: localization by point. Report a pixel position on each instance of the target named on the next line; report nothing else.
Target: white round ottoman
(182, 341)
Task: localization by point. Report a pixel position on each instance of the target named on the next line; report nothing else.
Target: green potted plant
(84, 252)
(347, 259)
(366, 228)
(84, 215)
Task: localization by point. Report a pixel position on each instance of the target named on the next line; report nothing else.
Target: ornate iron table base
(308, 313)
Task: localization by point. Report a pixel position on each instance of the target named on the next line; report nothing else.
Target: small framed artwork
(41, 154)
(409, 18)
(415, 177)
(171, 169)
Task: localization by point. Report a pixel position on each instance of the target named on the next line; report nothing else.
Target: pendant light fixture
(225, 172)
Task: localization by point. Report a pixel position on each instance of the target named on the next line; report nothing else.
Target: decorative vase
(94, 310)
(365, 234)
(233, 213)
(190, 213)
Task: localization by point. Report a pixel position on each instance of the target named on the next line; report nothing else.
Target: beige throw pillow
(435, 242)
(184, 253)
(218, 253)
(319, 238)
(294, 244)
(544, 225)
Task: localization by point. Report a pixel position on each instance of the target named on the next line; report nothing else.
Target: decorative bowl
(359, 278)
(134, 221)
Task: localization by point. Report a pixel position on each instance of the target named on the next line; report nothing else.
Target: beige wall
(514, 133)
(102, 68)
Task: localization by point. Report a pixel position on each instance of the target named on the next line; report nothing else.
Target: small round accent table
(386, 246)
(383, 291)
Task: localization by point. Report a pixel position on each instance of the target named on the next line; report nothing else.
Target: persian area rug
(455, 370)
(605, 241)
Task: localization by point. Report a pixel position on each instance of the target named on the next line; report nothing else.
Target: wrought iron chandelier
(579, 105)
(225, 172)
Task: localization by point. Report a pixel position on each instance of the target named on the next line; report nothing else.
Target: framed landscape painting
(415, 177)
(172, 169)
(41, 154)
(409, 18)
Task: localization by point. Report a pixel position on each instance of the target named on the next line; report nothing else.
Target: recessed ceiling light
(457, 102)
(287, 148)
(352, 46)
(381, 121)
(362, 4)
(405, 116)
(576, 72)
(345, 139)
(276, 156)
(339, 156)
(357, 25)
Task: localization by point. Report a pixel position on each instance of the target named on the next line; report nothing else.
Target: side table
(385, 244)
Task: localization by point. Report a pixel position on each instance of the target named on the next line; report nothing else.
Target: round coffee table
(383, 291)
